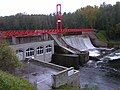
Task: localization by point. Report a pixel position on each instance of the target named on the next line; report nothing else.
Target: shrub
(10, 82)
(8, 60)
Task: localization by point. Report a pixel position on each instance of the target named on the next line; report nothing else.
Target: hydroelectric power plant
(97, 65)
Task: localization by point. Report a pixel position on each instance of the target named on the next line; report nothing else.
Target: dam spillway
(82, 43)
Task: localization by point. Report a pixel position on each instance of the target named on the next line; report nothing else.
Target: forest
(105, 17)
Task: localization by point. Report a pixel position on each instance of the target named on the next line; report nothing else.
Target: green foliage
(10, 82)
(114, 33)
(91, 14)
(108, 19)
(8, 60)
(68, 87)
(102, 36)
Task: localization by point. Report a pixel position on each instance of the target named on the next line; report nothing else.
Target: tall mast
(58, 17)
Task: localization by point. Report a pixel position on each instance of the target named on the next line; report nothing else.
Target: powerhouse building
(41, 46)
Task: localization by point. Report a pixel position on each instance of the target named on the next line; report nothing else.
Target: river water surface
(100, 74)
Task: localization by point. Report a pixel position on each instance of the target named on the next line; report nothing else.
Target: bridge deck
(8, 33)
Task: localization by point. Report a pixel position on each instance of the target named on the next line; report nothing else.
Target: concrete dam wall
(81, 43)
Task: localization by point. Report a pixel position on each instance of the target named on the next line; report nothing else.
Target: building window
(40, 50)
(29, 52)
(48, 48)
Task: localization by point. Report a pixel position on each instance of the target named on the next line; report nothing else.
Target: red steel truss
(9, 33)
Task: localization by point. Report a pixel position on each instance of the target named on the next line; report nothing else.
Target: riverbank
(67, 87)
(101, 35)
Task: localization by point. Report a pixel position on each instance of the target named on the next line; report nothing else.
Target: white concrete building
(41, 47)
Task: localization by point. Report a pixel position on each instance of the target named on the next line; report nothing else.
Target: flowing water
(103, 74)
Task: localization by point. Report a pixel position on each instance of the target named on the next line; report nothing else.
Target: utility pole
(28, 64)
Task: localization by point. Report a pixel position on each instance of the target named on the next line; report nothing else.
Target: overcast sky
(11, 7)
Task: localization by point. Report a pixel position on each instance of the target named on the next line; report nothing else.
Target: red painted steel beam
(37, 32)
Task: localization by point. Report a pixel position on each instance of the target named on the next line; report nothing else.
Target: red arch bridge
(9, 33)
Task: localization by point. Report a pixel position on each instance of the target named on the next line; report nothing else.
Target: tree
(8, 60)
(91, 14)
(117, 31)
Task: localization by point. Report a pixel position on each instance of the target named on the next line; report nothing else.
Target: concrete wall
(95, 40)
(70, 60)
(68, 76)
(63, 76)
(50, 65)
(60, 78)
(28, 39)
(74, 79)
(83, 57)
(42, 57)
(67, 60)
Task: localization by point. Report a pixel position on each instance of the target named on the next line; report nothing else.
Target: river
(104, 74)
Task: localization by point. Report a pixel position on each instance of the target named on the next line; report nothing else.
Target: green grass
(101, 35)
(10, 82)
(114, 42)
(68, 87)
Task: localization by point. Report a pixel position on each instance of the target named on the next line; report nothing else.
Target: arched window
(48, 48)
(29, 52)
(40, 50)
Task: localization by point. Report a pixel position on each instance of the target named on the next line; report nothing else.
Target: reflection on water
(104, 74)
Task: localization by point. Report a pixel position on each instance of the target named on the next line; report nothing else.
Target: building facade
(41, 47)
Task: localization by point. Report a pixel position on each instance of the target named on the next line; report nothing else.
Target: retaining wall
(63, 76)
(68, 76)
(49, 65)
(70, 60)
